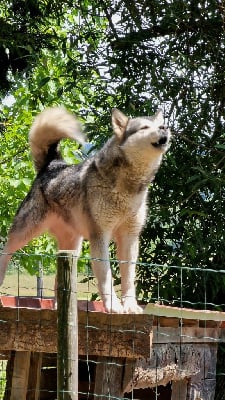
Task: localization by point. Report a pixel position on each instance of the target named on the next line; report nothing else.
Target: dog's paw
(112, 305)
(130, 306)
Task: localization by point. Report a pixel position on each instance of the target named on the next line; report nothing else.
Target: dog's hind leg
(16, 241)
(28, 223)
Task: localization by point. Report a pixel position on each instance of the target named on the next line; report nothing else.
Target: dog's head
(149, 133)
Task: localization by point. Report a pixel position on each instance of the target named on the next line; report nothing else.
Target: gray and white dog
(100, 199)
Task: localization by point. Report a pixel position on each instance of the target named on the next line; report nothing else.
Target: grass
(3, 365)
(23, 284)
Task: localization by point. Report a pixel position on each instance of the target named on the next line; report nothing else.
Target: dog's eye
(145, 127)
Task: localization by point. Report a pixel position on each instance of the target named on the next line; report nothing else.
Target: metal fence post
(40, 281)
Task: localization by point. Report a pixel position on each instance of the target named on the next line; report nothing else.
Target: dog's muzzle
(163, 137)
(161, 142)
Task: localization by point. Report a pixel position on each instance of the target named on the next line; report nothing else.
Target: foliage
(2, 377)
(172, 54)
(51, 82)
(137, 56)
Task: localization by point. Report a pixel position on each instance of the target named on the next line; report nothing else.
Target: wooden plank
(125, 335)
(195, 363)
(108, 378)
(28, 329)
(167, 321)
(116, 335)
(203, 384)
(186, 335)
(129, 369)
(33, 391)
(67, 327)
(179, 390)
(169, 362)
(173, 322)
(202, 389)
(20, 375)
(183, 313)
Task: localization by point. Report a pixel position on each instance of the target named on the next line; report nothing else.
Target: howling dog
(101, 199)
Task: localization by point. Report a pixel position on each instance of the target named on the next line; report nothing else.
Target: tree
(61, 74)
(138, 57)
(172, 53)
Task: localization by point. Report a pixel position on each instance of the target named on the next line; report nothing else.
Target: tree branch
(205, 27)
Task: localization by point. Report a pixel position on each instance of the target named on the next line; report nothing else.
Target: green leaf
(43, 82)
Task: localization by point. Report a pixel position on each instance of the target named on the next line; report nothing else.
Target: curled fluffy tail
(47, 130)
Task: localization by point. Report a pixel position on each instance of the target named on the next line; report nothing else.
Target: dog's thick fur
(100, 199)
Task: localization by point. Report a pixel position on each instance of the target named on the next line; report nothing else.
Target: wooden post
(108, 378)
(33, 392)
(179, 390)
(20, 375)
(202, 385)
(67, 360)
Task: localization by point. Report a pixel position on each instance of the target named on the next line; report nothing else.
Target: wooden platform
(31, 324)
(161, 345)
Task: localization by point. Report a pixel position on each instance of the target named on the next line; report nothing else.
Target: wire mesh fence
(139, 56)
(174, 350)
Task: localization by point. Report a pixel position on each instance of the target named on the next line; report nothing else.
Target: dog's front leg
(4, 260)
(102, 271)
(127, 254)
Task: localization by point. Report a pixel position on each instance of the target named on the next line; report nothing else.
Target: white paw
(112, 305)
(130, 306)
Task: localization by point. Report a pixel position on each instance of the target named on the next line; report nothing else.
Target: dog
(101, 199)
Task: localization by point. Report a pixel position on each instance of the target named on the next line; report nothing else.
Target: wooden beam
(115, 335)
(184, 313)
(186, 335)
(100, 334)
(28, 329)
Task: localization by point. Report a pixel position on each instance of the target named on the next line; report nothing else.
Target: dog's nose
(163, 127)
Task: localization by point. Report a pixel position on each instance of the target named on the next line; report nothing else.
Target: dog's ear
(159, 117)
(119, 122)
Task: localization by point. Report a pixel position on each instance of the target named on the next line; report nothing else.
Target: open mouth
(161, 142)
